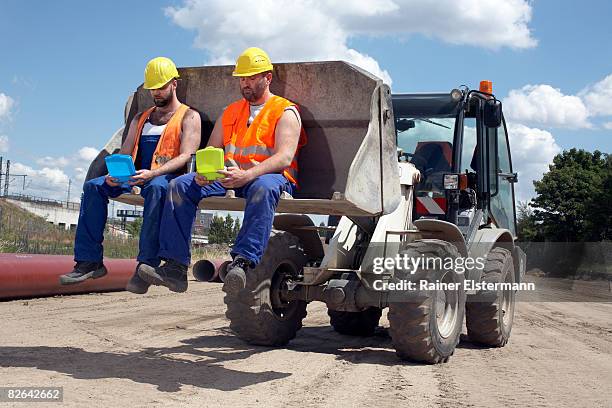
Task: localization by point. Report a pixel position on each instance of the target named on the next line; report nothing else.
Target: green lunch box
(209, 161)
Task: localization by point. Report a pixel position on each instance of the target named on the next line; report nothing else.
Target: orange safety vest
(245, 146)
(169, 145)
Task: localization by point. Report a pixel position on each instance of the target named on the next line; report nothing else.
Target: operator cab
(459, 143)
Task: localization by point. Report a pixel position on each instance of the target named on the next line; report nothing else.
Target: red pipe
(23, 275)
(208, 270)
(223, 271)
(205, 270)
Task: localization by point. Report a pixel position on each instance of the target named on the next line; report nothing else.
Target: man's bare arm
(287, 136)
(216, 137)
(190, 141)
(128, 144)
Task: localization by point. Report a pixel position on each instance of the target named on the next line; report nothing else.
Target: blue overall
(262, 196)
(94, 211)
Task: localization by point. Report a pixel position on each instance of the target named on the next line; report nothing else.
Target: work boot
(235, 279)
(83, 271)
(137, 284)
(171, 274)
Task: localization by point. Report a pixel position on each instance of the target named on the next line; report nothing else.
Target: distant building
(202, 223)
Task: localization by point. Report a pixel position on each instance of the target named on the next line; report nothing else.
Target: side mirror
(404, 124)
(493, 113)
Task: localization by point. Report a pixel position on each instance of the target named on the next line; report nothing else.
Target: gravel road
(165, 349)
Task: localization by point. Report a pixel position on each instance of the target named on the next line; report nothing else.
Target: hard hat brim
(252, 72)
(158, 85)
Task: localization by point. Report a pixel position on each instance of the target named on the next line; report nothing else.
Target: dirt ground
(166, 349)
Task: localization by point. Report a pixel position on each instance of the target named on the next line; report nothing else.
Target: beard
(161, 102)
(255, 93)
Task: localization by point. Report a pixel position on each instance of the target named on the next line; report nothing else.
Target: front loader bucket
(349, 165)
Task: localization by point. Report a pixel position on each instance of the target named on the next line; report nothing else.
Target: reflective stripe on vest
(245, 146)
(169, 145)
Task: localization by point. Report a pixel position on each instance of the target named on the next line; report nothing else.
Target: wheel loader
(402, 178)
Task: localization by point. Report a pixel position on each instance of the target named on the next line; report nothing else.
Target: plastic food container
(120, 167)
(209, 161)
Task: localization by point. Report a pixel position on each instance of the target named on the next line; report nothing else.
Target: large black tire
(490, 313)
(257, 314)
(427, 329)
(362, 323)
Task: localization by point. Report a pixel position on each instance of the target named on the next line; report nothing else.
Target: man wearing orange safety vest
(261, 135)
(161, 141)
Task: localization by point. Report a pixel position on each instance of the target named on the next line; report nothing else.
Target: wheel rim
(447, 306)
(280, 307)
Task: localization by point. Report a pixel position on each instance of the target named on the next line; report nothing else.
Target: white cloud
(225, 29)
(545, 105)
(608, 125)
(320, 30)
(598, 97)
(52, 178)
(25, 82)
(532, 151)
(55, 161)
(4, 144)
(79, 174)
(489, 24)
(82, 158)
(47, 182)
(6, 105)
(88, 154)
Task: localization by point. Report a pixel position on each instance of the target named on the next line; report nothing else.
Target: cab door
(501, 180)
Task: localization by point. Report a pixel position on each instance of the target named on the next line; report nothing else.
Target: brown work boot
(171, 274)
(137, 284)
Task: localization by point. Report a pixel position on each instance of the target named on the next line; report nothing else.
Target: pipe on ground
(206, 270)
(25, 276)
(223, 270)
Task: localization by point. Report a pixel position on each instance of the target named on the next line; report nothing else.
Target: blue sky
(68, 66)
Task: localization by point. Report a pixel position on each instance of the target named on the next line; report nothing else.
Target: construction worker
(261, 135)
(161, 141)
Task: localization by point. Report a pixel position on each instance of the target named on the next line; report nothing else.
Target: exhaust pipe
(26, 276)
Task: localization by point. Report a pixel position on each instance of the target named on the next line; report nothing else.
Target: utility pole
(7, 177)
(68, 196)
(6, 180)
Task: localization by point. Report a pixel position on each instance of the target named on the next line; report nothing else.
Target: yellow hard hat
(159, 72)
(252, 61)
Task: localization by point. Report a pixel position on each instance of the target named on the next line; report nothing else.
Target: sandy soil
(166, 349)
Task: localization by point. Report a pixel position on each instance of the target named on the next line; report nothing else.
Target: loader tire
(427, 328)
(362, 323)
(490, 313)
(258, 315)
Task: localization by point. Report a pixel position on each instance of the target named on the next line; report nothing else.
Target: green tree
(228, 228)
(236, 229)
(600, 216)
(223, 230)
(133, 228)
(216, 235)
(528, 229)
(572, 201)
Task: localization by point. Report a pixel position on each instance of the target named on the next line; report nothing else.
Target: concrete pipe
(25, 276)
